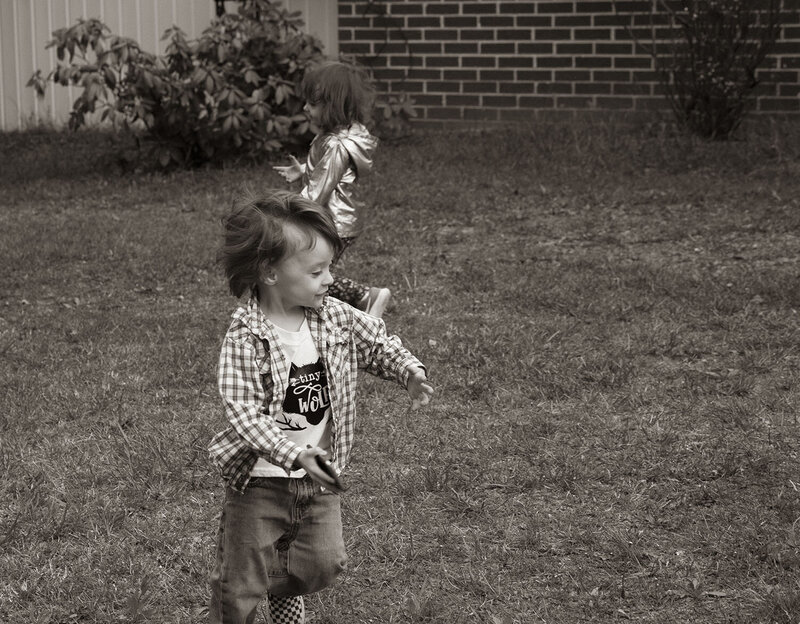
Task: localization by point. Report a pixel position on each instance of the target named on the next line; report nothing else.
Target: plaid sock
(289, 610)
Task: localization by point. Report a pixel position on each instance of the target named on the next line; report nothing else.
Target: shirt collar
(252, 316)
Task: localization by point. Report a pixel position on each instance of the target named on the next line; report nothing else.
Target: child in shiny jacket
(339, 99)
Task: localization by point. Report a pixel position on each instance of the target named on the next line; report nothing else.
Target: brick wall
(502, 61)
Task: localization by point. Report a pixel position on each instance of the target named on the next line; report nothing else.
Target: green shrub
(396, 113)
(232, 93)
(708, 55)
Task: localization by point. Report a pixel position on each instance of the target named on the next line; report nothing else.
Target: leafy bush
(234, 92)
(396, 113)
(708, 59)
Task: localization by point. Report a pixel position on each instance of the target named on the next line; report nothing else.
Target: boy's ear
(268, 275)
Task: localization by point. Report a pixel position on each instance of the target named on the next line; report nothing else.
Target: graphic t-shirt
(305, 418)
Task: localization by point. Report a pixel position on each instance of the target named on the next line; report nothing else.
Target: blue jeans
(282, 536)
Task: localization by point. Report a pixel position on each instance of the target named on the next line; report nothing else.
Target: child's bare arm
(291, 172)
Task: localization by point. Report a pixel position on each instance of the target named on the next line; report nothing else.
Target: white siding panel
(64, 96)
(129, 15)
(112, 16)
(42, 57)
(149, 32)
(75, 10)
(93, 8)
(9, 102)
(27, 25)
(164, 20)
(321, 18)
(24, 63)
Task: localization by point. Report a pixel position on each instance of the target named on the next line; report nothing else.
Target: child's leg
(312, 553)
(240, 576)
(348, 290)
(370, 299)
(342, 288)
(376, 301)
(263, 546)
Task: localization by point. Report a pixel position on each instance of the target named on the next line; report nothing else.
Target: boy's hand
(418, 387)
(307, 460)
(291, 172)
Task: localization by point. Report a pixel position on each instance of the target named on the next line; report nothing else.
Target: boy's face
(301, 279)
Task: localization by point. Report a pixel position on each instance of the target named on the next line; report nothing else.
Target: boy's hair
(344, 91)
(255, 234)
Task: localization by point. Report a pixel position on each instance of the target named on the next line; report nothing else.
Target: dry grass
(610, 317)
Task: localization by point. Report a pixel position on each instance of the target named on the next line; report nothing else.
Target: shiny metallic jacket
(336, 160)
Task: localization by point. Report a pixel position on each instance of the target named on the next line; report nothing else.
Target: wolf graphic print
(305, 414)
(307, 397)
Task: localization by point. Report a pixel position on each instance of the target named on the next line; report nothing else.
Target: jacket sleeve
(379, 353)
(327, 173)
(246, 403)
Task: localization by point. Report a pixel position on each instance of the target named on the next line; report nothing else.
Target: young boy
(287, 376)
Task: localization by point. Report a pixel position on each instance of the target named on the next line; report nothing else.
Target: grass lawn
(610, 318)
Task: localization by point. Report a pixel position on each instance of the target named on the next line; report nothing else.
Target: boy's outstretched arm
(385, 356)
(418, 387)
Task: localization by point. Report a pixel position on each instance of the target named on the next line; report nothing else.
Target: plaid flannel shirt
(253, 374)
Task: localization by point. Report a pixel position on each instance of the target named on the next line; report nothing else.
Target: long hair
(255, 234)
(344, 91)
